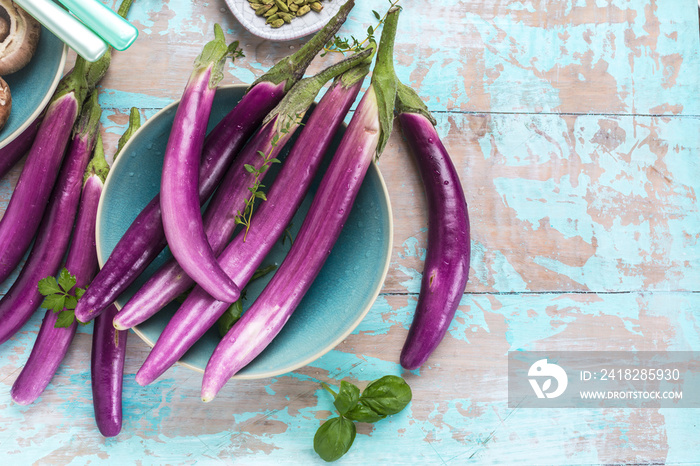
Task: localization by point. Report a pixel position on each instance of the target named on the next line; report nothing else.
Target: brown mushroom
(19, 36)
(5, 102)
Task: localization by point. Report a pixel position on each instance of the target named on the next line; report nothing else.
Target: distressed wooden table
(574, 126)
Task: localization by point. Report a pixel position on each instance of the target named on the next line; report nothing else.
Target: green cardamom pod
(272, 18)
(277, 23)
(286, 17)
(293, 7)
(303, 10)
(262, 10)
(282, 6)
(271, 11)
(316, 6)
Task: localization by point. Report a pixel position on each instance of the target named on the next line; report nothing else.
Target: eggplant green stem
(384, 80)
(302, 95)
(98, 164)
(408, 101)
(124, 8)
(95, 71)
(291, 69)
(358, 73)
(214, 55)
(134, 124)
(74, 82)
(88, 123)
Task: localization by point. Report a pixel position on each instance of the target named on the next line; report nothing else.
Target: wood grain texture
(574, 126)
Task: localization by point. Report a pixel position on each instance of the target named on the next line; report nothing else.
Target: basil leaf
(387, 395)
(347, 397)
(334, 438)
(363, 413)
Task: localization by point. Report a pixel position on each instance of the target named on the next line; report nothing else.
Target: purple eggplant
(108, 344)
(446, 269)
(170, 280)
(28, 201)
(179, 193)
(51, 242)
(15, 150)
(244, 254)
(107, 369)
(145, 238)
(365, 137)
(52, 343)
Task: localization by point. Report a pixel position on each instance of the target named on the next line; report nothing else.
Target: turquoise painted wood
(574, 126)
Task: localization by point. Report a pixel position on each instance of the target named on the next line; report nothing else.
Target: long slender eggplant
(107, 372)
(446, 269)
(24, 212)
(179, 193)
(52, 343)
(244, 254)
(170, 281)
(51, 242)
(109, 344)
(365, 137)
(18, 148)
(145, 238)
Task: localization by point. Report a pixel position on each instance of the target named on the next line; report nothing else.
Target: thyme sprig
(244, 218)
(343, 44)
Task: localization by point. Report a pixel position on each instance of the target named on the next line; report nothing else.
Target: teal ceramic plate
(33, 85)
(340, 297)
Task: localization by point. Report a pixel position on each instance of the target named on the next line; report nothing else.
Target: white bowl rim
(321, 351)
(286, 32)
(44, 102)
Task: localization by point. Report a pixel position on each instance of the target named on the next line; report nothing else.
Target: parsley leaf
(57, 296)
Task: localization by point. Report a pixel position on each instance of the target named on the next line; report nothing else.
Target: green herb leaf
(48, 286)
(79, 292)
(334, 438)
(347, 397)
(249, 168)
(54, 301)
(262, 271)
(66, 280)
(71, 302)
(363, 413)
(387, 395)
(65, 319)
(230, 317)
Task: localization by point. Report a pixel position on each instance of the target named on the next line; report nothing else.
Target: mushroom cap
(18, 41)
(5, 102)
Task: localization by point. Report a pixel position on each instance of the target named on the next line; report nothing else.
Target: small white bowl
(299, 27)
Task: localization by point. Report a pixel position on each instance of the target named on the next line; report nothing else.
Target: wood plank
(557, 203)
(582, 56)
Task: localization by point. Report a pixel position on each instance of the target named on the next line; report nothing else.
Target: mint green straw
(107, 24)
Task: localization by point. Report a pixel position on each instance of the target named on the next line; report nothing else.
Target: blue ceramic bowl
(336, 303)
(32, 86)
